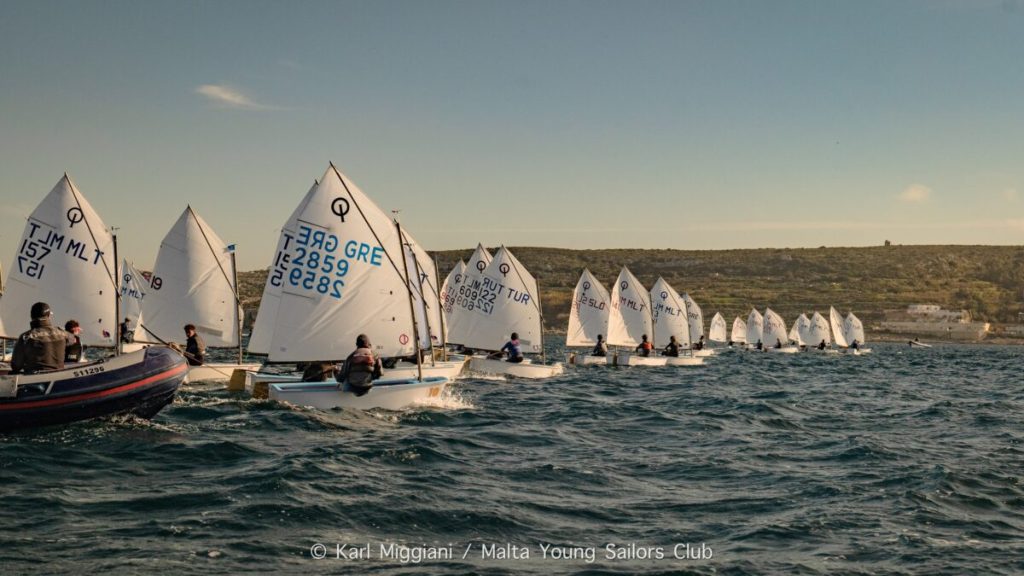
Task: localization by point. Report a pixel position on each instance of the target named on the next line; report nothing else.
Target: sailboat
(853, 330)
(133, 295)
(798, 333)
(348, 276)
(739, 331)
(501, 300)
(669, 317)
(774, 335)
(717, 332)
(755, 330)
(588, 318)
(449, 289)
(194, 282)
(458, 312)
(67, 257)
(819, 332)
(836, 323)
(629, 319)
(695, 319)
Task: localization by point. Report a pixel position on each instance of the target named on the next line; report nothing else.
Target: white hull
(635, 360)
(684, 361)
(585, 359)
(403, 371)
(706, 352)
(524, 369)
(217, 371)
(784, 350)
(385, 394)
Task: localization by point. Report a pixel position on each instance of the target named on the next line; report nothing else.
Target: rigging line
(74, 194)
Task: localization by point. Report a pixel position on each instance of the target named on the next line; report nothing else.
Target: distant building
(932, 320)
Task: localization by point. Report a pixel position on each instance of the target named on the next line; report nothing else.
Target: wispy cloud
(229, 97)
(915, 194)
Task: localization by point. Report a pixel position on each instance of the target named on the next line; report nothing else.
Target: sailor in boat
(672, 348)
(127, 334)
(699, 344)
(361, 368)
(821, 345)
(73, 350)
(601, 348)
(759, 345)
(195, 348)
(512, 350)
(42, 347)
(645, 347)
(854, 345)
(317, 371)
(778, 343)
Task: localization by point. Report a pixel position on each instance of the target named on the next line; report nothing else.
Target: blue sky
(694, 125)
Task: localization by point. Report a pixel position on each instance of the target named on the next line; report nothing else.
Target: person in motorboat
(672, 348)
(778, 343)
(821, 345)
(512, 350)
(73, 350)
(195, 348)
(854, 345)
(42, 347)
(645, 347)
(127, 334)
(361, 368)
(601, 348)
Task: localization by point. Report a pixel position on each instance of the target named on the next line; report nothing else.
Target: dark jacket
(74, 349)
(672, 349)
(41, 348)
(195, 350)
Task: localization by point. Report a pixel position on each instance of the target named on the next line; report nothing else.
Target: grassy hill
(987, 280)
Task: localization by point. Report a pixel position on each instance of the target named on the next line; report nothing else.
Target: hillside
(987, 280)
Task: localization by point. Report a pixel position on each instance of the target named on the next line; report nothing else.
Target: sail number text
(320, 261)
(37, 245)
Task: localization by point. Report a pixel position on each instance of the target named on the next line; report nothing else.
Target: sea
(901, 461)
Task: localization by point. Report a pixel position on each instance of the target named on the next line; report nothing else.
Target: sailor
(601, 348)
(74, 349)
(854, 345)
(317, 371)
(127, 334)
(513, 349)
(778, 343)
(645, 347)
(821, 346)
(672, 349)
(699, 344)
(41, 348)
(361, 368)
(759, 346)
(195, 348)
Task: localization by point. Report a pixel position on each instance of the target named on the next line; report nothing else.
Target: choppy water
(900, 462)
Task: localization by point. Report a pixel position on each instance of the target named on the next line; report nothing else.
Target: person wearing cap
(42, 347)
(361, 367)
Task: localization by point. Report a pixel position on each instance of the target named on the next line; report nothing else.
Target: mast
(444, 329)
(540, 312)
(412, 306)
(238, 304)
(426, 316)
(117, 298)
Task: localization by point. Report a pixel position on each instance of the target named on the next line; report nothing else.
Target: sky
(578, 124)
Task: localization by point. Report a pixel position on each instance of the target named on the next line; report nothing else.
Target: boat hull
(403, 371)
(704, 353)
(141, 383)
(385, 394)
(683, 361)
(586, 360)
(784, 350)
(635, 360)
(524, 369)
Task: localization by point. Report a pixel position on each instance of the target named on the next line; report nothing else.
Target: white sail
(280, 267)
(774, 329)
(853, 329)
(718, 330)
(819, 331)
(505, 302)
(450, 288)
(423, 285)
(191, 283)
(346, 279)
(668, 315)
(801, 329)
(467, 290)
(630, 314)
(836, 323)
(134, 286)
(739, 331)
(694, 317)
(65, 258)
(588, 316)
(755, 327)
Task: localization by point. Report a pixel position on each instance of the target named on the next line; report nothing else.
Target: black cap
(40, 310)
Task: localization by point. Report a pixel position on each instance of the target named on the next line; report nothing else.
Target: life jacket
(360, 371)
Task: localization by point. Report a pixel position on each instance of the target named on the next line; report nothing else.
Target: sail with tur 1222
(348, 277)
(65, 257)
